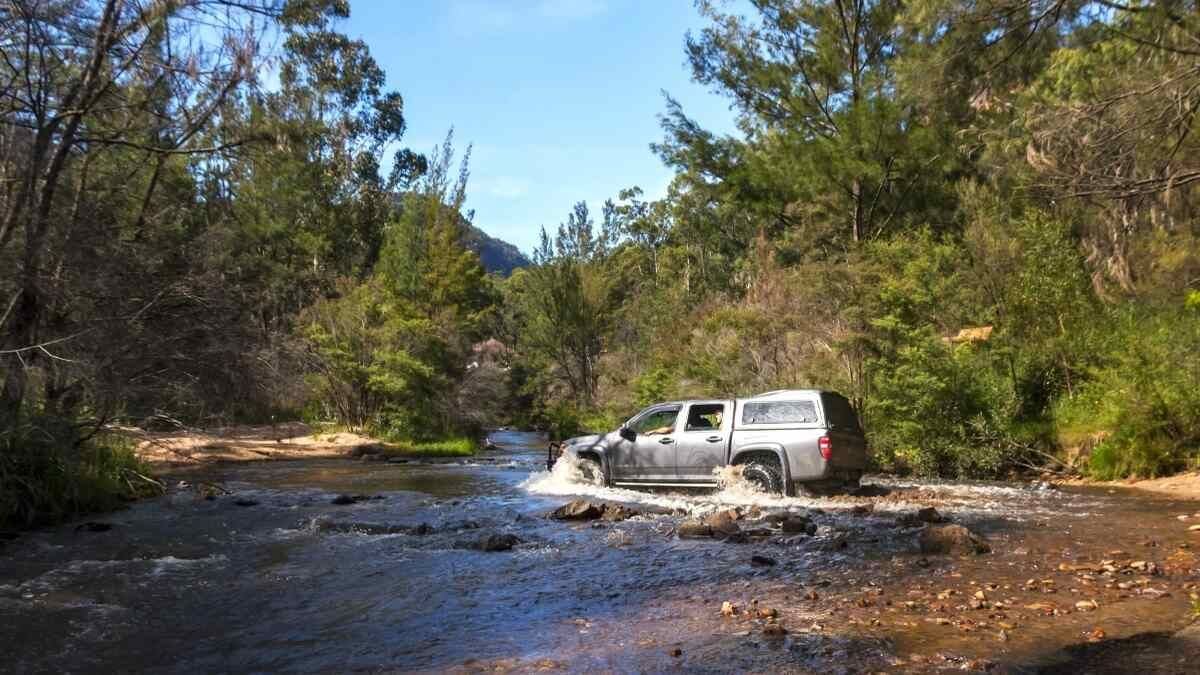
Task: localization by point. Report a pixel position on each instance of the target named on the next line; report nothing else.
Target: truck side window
(705, 417)
(779, 412)
(657, 422)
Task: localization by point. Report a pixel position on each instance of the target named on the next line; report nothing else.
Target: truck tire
(766, 476)
(591, 471)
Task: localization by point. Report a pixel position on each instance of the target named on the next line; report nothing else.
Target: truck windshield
(661, 421)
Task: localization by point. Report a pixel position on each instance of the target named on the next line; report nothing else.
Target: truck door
(651, 455)
(703, 440)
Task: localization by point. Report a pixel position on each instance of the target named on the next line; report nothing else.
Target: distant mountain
(498, 256)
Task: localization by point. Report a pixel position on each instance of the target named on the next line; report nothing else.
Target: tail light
(826, 446)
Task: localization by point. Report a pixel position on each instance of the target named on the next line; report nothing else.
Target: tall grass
(450, 447)
(47, 476)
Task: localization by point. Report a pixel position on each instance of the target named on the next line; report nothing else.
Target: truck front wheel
(767, 477)
(590, 471)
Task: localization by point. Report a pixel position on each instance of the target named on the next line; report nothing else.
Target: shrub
(1143, 399)
(48, 475)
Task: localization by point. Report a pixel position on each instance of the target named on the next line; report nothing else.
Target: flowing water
(395, 581)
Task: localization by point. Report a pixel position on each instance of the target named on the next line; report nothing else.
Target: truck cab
(786, 441)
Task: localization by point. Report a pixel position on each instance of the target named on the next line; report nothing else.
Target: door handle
(666, 441)
(713, 439)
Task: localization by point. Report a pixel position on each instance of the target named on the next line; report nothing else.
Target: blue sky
(559, 97)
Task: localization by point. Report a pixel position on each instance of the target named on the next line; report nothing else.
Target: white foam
(567, 480)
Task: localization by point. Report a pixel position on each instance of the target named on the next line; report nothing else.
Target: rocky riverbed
(494, 564)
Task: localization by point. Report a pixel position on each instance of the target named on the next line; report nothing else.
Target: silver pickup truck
(789, 441)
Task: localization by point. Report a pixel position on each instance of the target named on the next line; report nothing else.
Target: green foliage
(369, 359)
(1142, 399)
(651, 386)
(48, 474)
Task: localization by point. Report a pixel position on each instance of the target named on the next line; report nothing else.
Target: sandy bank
(293, 440)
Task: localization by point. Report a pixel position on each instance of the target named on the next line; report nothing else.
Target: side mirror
(628, 434)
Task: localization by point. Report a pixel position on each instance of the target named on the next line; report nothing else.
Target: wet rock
(799, 525)
(617, 512)
(676, 652)
(498, 542)
(951, 539)
(93, 527)
(931, 515)
(722, 523)
(368, 449)
(343, 500)
(759, 532)
(774, 630)
(923, 516)
(422, 530)
(837, 542)
(762, 561)
(863, 509)
(728, 608)
(580, 509)
(245, 502)
(693, 528)
(872, 491)
(461, 525)
(779, 516)
(397, 460)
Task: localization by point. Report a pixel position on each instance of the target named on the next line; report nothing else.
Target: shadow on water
(293, 582)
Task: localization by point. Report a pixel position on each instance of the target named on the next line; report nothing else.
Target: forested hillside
(973, 218)
(976, 219)
(496, 255)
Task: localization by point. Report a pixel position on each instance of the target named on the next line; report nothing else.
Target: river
(289, 581)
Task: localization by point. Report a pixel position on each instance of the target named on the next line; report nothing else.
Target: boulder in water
(491, 543)
(799, 525)
(618, 512)
(580, 509)
(693, 528)
(951, 539)
(342, 500)
(722, 523)
(921, 517)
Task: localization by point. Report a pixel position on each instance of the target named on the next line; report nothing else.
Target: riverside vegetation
(975, 219)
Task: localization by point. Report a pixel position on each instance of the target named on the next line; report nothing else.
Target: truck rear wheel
(766, 476)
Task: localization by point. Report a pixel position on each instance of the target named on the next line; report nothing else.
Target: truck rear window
(779, 412)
